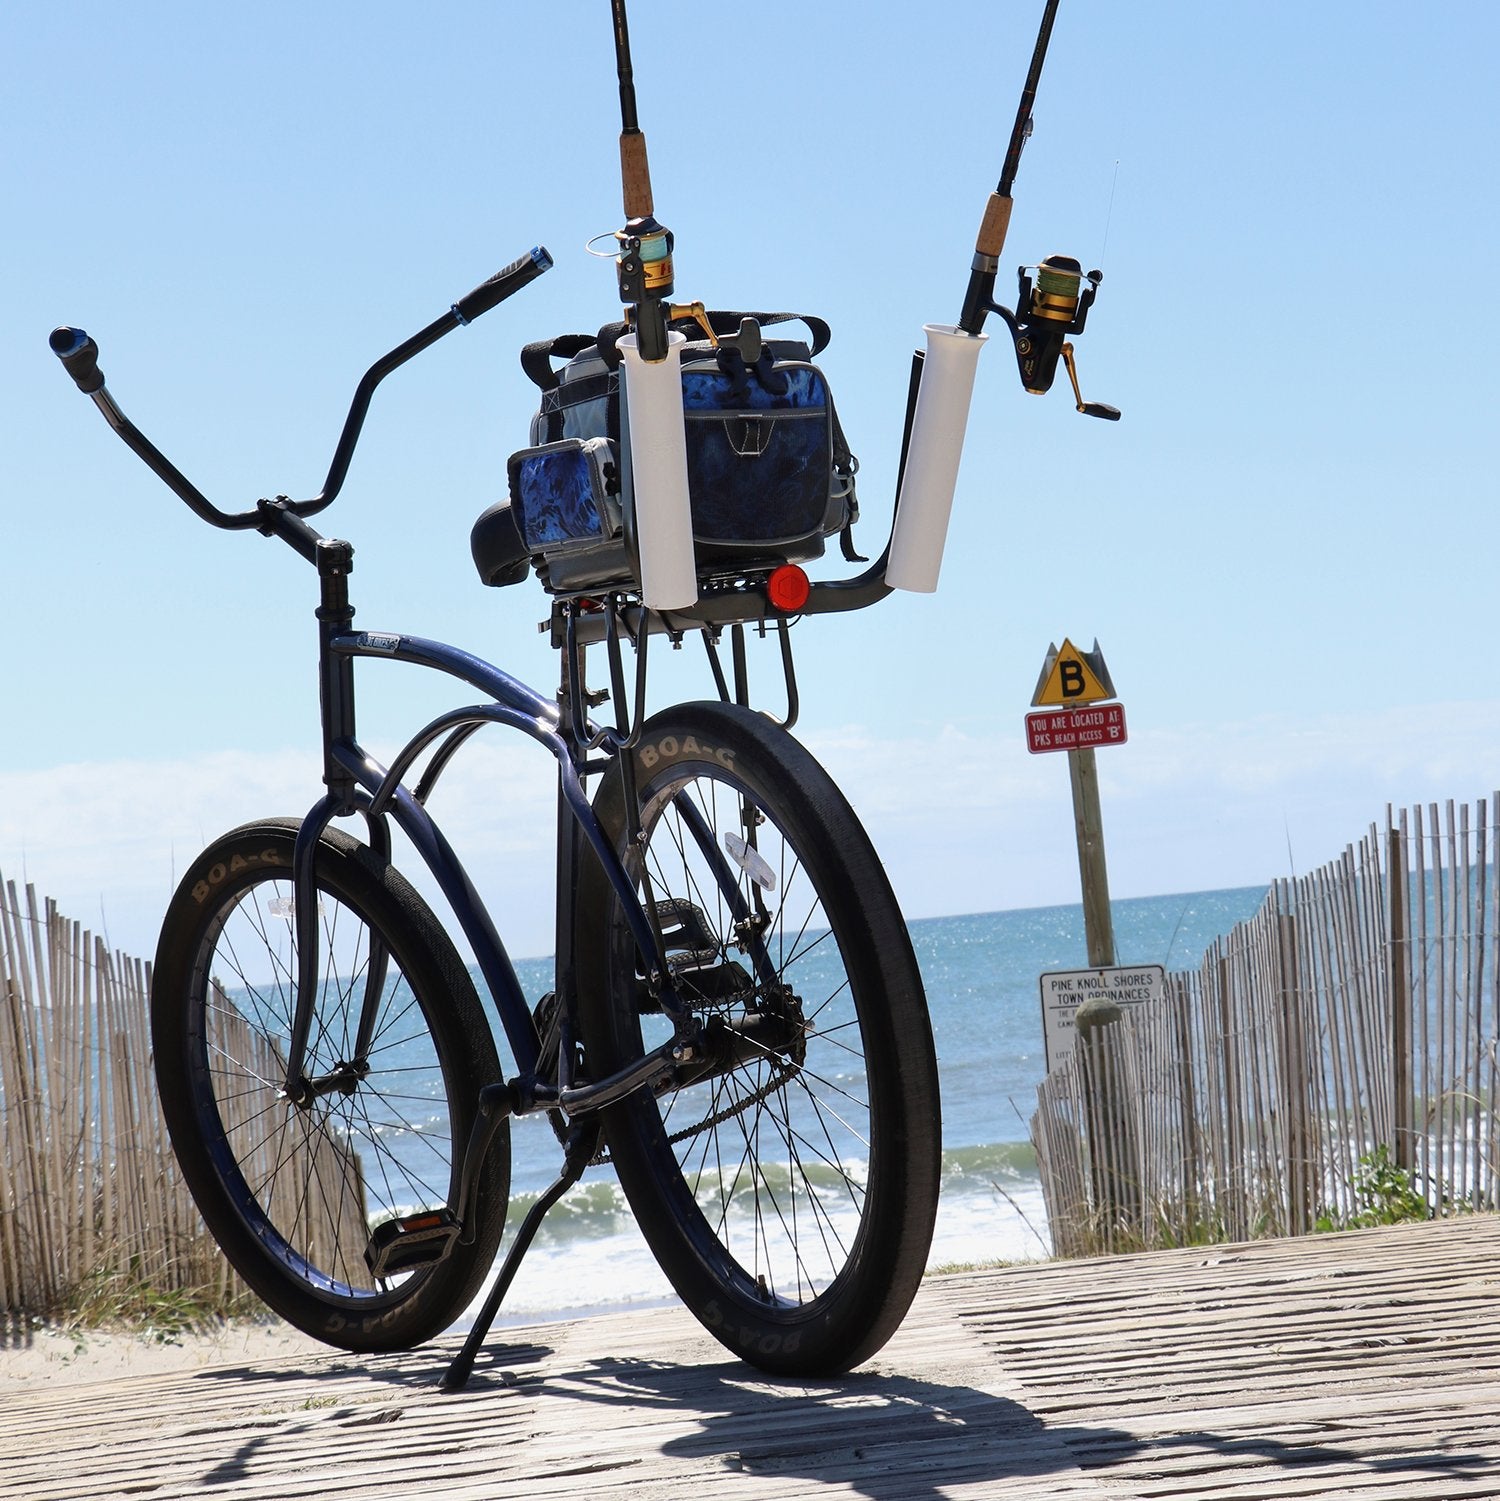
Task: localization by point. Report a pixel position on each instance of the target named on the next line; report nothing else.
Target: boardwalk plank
(1357, 1366)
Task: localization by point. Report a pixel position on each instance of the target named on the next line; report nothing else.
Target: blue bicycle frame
(357, 783)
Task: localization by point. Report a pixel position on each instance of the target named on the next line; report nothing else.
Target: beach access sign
(1075, 729)
(1064, 991)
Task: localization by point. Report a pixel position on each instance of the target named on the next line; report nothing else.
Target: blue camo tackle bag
(770, 476)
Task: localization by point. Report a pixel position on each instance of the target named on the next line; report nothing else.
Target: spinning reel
(1052, 307)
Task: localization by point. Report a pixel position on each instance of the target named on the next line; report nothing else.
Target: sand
(31, 1356)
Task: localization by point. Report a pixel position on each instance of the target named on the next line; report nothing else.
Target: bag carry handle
(536, 359)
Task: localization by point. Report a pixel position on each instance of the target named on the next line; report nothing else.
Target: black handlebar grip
(502, 284)
(80, 357)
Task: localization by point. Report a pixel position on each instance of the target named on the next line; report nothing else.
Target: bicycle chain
(783, 1072)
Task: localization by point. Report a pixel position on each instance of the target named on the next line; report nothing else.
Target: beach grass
(120, 1296)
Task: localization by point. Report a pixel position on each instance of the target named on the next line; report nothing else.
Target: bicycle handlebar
(80, 358)
(503, 284)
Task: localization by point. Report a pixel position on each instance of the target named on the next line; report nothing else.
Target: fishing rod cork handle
(635, 175)
(995, 226)
(988, 248)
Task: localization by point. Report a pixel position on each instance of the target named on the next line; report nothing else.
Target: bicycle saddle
(499, 552)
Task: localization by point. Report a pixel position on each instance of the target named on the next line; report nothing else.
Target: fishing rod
(655, 459)
(996, 223)
(1053, 306)
(645, 259)
(1050, 310)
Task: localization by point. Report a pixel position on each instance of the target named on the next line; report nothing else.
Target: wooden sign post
(1074, 693)
(1073, 690)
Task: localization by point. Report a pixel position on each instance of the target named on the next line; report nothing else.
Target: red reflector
(788, 588)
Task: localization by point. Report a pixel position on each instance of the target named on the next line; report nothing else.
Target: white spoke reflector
(751, 861)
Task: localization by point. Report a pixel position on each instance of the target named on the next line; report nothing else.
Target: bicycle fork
(347, 1073)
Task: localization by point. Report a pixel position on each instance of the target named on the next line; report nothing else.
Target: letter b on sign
(1071, 677)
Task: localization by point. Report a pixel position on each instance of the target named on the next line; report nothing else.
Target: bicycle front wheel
(787, 1180)
(400, 1046)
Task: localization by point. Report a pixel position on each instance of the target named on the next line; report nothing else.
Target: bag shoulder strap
(536, 359)
(722, 323)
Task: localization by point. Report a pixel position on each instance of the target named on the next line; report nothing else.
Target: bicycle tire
(291, 1194)
(790, 1196)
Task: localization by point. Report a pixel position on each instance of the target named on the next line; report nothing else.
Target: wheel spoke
(291, 1188)
(767, 1198)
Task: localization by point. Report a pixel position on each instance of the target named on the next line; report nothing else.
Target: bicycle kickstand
(580, 1149)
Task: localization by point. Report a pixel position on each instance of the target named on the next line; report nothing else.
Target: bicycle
(737, 1010)
(737, 1018)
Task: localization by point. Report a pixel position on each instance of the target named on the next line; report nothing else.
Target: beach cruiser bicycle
(736, 1021)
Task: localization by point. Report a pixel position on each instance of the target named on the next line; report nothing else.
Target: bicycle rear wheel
(292, 1193)
(789, 1190)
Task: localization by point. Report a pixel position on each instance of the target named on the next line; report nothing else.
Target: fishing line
(1176, 929)
(1109, 213)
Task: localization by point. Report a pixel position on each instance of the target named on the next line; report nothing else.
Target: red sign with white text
(1075, 729)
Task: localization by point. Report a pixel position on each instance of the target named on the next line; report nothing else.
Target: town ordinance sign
(1064, 991)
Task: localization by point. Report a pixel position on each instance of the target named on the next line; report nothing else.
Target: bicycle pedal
(705, 984)
(412, 1241)
(685, 932)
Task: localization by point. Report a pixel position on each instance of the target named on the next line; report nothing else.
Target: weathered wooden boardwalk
(1362, 1365)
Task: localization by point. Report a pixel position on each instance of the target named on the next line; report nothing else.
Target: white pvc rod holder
(932, 456)
(659, 477)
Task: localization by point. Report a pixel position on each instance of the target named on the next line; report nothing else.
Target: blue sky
(1284, 548)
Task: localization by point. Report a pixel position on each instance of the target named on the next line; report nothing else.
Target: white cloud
(963, 821)
(107, 840)
(966, 822)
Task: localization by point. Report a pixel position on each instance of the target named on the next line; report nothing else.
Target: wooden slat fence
(1351, 1023)
(88, 1183)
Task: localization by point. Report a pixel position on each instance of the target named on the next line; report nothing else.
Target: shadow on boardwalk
(891, 1436)
(1355, 1365)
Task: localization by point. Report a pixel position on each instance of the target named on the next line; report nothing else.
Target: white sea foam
(981, 979)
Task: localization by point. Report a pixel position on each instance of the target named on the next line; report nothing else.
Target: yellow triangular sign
(1070, 676)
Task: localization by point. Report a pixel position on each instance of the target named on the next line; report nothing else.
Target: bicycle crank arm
(496, 1103)
(428, 1235)
(658, 1067)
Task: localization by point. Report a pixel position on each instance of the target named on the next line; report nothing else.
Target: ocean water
(981, 975)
